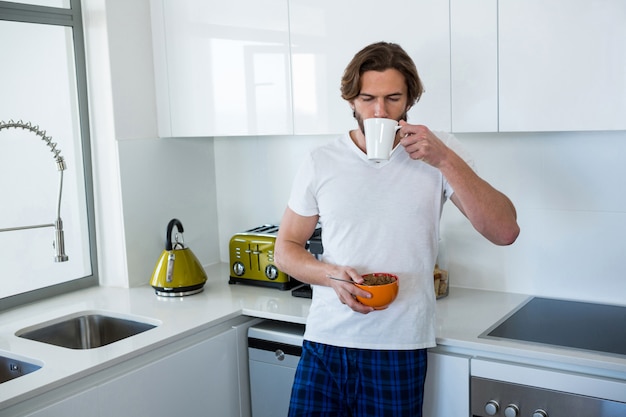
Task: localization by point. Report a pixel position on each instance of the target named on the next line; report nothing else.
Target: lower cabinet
(447, 389)
(83, 403)
(202, 377)
(193, 382)
(207, 374)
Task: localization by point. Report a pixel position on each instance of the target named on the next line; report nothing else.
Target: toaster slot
(255, 258)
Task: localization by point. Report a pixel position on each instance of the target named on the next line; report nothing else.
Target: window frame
(68, 17)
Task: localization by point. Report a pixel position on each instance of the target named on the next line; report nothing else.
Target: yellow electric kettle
(177, 272)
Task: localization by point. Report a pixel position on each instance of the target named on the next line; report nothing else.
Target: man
(377, 217)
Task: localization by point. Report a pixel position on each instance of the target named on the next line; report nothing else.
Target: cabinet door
(562, 65)
(326, 34)
(446, 392)
(83, 403)
(222, 67)
(200, 380)
(474, 64)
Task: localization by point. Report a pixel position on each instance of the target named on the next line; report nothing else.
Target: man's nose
(380, 109)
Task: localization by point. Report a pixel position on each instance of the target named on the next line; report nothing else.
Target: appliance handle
(170, 229)
(169, 274)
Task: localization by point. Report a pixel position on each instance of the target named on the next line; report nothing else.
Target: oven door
(512, 390)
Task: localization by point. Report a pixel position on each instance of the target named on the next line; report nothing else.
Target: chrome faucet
(59, 239)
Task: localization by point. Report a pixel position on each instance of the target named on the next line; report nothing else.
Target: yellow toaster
(252, 259)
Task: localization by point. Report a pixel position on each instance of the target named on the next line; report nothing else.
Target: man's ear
(351, 103)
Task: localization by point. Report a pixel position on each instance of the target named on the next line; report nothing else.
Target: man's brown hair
(381, 56)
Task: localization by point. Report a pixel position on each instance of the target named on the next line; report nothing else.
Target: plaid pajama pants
(343, 382)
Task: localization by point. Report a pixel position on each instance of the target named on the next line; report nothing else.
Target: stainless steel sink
(12, 368)
(85, 331)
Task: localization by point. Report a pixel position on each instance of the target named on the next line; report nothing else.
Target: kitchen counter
(461, 318)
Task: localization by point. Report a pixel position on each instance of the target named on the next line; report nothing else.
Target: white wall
(566, 187)
(568, 191)
(111, 245)
(164, 179)
(253, 177)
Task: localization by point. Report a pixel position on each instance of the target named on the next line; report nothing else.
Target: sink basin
(13, 368)
(85, 331)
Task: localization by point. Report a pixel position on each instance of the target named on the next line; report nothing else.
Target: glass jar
(441, 275)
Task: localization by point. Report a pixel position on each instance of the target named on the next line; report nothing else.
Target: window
(44, 87)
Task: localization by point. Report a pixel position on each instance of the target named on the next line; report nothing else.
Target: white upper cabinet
(246, 67)
(474, 65)
(562, 65)
(326, 34)
(228, 68)
(222, 67)
(537, 65)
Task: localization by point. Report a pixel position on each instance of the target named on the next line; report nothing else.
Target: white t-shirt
(375, 217)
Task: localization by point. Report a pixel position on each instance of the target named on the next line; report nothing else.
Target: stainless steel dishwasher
(274, 349)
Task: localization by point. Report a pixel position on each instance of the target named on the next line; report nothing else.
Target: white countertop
(461, 318)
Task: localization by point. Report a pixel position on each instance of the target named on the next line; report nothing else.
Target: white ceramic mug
(380, 134)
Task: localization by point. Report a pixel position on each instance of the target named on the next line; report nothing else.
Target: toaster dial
(238, 268)
(271, 272)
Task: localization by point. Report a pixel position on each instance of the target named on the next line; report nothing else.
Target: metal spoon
(341, 279)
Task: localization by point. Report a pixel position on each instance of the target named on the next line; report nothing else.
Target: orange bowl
(382, 294)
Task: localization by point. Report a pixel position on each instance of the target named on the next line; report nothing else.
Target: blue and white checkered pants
(345, 382)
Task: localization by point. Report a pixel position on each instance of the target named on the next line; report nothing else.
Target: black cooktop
(572, 324)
